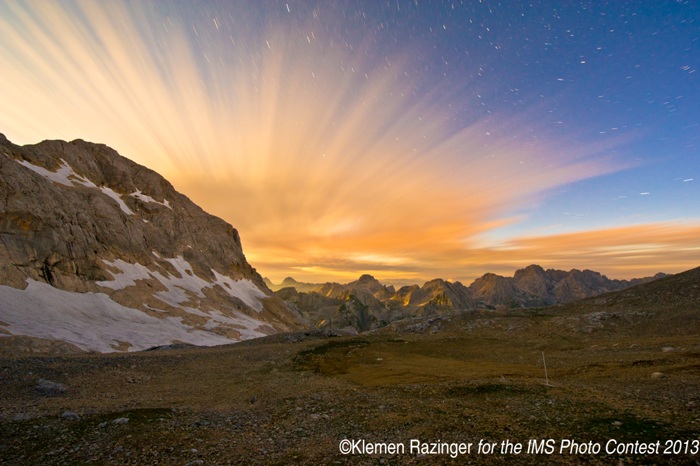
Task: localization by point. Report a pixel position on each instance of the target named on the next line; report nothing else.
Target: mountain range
(106, 255)
(367, 304)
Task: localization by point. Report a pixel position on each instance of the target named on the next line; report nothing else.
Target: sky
(406, 139)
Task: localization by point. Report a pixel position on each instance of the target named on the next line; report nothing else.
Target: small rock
(70, 416)
(194, 463)
(49, 388)
(658, 375)
(617, 423)
(668, 349)
(22, 417)
(121, 420)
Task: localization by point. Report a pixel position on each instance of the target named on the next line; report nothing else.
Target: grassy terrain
(292, 398)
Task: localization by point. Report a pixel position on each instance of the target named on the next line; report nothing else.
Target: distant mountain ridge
(105, 254)
(529, 287)
(534, 286)
(290, 282)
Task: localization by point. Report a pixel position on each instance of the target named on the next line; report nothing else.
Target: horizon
(407, 141)
(400, 283)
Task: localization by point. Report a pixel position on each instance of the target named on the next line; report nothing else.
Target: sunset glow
(336, 152)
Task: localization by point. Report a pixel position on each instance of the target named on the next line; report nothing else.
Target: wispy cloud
(328, 161)
(624, 252)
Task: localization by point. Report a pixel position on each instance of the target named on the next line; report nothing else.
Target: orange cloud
(329, 164)
(624, 252)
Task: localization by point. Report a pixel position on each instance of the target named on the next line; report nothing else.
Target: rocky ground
(292, 398)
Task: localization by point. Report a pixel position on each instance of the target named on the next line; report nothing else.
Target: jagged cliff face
(533, 286)
(104, 253)
(499, 292)
(366, 304)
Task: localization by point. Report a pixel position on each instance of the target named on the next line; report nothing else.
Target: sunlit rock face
(105, 254)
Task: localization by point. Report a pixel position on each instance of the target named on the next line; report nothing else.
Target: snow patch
(94, 322)
(244, 289)
(180, 289)
(146, 198)
(128, 276)
(65, 174)
(117, 197)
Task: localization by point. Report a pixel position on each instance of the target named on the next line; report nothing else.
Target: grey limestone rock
(77, 216)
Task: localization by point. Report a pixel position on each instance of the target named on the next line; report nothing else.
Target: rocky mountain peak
(366, 278)
(289, 281)
(82, 223)
(530, 271)
(366, 283)
(435, 282)
(534, 280)
(490, 280)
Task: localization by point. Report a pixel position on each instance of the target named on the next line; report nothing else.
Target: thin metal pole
(546, 377)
